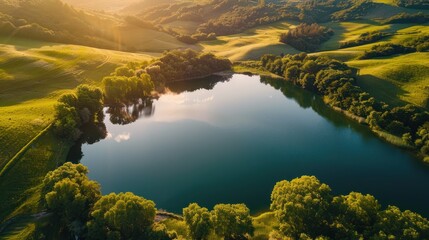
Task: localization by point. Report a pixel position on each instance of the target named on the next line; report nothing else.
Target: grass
(20, 186)
(251, 44)
(396, 80)
(38, 73)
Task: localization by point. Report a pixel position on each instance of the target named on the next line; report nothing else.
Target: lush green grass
(396, 80)
(251, 44)
(20, 185)
(38, 73)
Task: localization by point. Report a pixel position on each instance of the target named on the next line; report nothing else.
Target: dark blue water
(231, 141)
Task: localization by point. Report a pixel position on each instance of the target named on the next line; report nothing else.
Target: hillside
(101, 5)
(63, 23)
(33, 75)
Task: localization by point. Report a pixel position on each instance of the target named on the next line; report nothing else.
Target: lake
(229, 140)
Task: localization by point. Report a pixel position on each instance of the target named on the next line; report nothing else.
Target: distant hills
(56, 21)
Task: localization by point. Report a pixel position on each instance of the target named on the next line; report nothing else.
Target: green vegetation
(365, 38)
(408, 18)
(121, 216)
(303, 208)
(34, 74)
(69, 194)
(75, 110)
(184, 65)
(385, 50)
(232, 221)
(413, 4)
(336, 82)
(125, 85)
(306, 38)
(306, 209)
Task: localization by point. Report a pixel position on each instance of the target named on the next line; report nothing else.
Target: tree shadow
(382, 89)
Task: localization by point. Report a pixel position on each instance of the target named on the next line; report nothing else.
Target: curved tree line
(304, 208)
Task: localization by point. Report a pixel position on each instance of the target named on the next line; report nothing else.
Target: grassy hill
(36, 73)
(252, 44)
(33, 75)
(102, 5)
(62, 23)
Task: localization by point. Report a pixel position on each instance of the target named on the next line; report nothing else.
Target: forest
(306, 38)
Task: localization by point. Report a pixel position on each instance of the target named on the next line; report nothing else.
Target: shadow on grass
(382, 89)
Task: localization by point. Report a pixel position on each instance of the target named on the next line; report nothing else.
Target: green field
(252, 44)
(36, 74)
(33, 76)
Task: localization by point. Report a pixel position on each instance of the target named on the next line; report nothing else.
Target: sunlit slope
(396, 80)
(346, 31)
(33, 74)
(133, 38)
(105, 5)
(251, 44)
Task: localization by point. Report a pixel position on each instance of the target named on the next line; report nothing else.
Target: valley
(44, 56)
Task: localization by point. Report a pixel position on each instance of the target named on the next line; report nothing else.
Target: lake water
(230, 141)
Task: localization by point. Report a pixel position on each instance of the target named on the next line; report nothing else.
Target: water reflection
(212, 141)
(91, 133)
(207, 83)
(125, 114)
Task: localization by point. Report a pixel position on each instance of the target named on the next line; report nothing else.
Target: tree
(232, 221)
(301, 206)
(121, 216)
(69, 194)
(198, 221)
(67, 122)
(355, 215)
(396, 224)
(90, 97)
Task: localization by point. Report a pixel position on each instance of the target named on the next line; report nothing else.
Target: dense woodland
(307, 37)
(304, 207)
(336, 82)
(180, 65)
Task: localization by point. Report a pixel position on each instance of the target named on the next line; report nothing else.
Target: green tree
(198, 220)
(67, 122)
(69, 194)
(355, 215)
(396, 224)
(90, 97)
(301, 206)
(232, 221)
(124, 71)
(121, 216)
